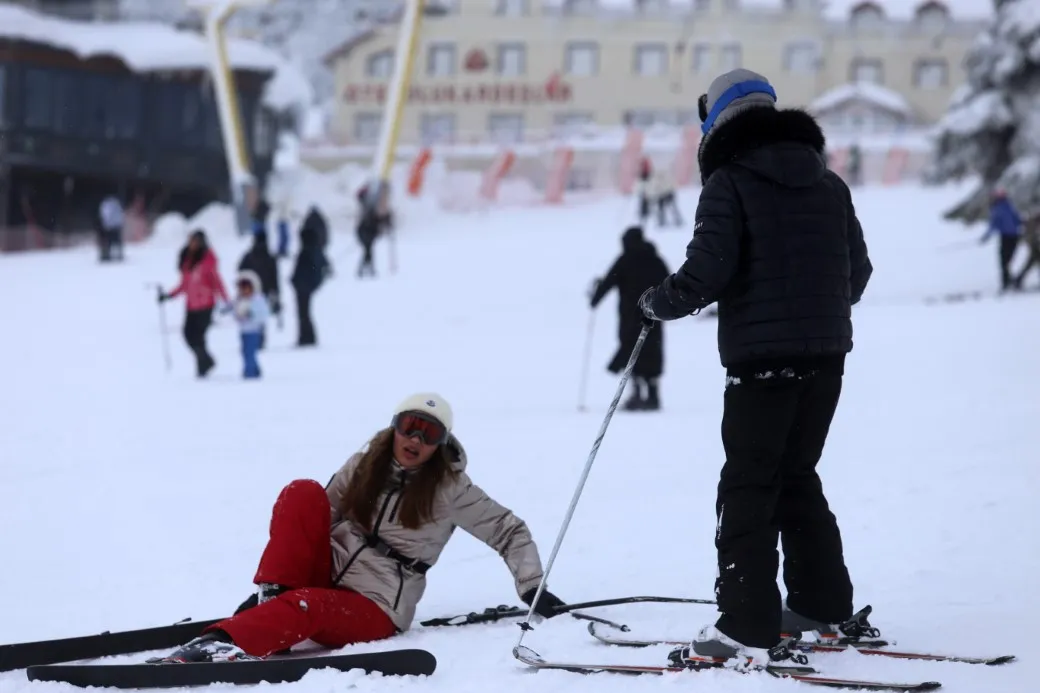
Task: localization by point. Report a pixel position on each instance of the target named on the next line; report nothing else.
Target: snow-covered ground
(132, 497)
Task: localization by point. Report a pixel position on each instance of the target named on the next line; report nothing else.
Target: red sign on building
(553, 91)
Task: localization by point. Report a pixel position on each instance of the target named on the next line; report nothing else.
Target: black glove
(162, 296)
(276, 304)
(646, 305)
(546, 607)
(593, 288)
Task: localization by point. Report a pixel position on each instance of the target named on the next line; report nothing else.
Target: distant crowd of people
(258, 294)
(257, 288)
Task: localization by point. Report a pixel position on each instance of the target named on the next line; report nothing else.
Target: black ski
(246, 672)
(867, 647)
(806, 675)
(107, 644)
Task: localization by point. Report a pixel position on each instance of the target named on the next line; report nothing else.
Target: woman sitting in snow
(393, 508)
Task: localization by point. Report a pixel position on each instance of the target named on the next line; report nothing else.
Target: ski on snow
(867, 647)
(806, 675)
(405, 662)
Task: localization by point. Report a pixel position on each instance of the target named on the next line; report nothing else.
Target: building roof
(153, 47)
(835, 9)
(861, 91)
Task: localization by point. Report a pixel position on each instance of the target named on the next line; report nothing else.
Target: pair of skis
(605, 632)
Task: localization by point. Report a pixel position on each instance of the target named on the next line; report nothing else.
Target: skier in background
(312, 268)
(339, 570)
(201, 285)
(777, 243)
(112, 219)
(374, 217)
(258, 259)
(638, 268)
(1005, 222)
(643, 192)
(251, 312)
(663, 193)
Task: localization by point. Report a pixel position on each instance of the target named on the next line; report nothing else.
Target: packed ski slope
(133, 497)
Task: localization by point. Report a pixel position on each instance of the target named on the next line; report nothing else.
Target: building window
(37, 99)
(581, 59)
(869, 70)
(930, 73)
(511, 8)
(506, 128)
(731, 57)
(868, 16)
(651, 59)
(3, 86)
(801, 57)
(576, 6)
(700, 57)
(701, 5)
(380, 65)
(932, 16)
(437, 128)
(512, 59)
(367, 127)
(440, 59)
(572, 123)
(643, 119)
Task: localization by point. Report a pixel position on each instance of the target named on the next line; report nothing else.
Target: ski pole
(629, 367)
(163, 336)
(586, 361)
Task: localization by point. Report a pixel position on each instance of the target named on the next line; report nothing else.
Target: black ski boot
(855, 630)
(653, 400)
(636, 402)
(215, 646)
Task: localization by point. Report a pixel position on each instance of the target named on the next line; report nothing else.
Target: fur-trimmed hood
(786, 146)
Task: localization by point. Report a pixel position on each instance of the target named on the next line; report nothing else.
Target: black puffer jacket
(776, 243)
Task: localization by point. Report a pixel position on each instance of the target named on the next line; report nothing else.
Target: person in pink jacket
(201, 285)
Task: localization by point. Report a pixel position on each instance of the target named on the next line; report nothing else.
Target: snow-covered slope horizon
(134, 497)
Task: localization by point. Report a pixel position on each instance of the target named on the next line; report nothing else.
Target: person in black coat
(373, 217)
(310, 272)
(260, 260)
(638, 268)
(777, 244)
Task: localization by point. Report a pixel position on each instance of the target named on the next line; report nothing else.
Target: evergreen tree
(992, 128)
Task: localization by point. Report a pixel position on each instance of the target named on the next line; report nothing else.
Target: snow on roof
(833, 9)
(865, 91)
(152, 47)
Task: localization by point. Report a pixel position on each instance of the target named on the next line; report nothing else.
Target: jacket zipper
(400, 585)
(375, 532)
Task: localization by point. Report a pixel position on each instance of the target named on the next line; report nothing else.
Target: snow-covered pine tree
(992, 128)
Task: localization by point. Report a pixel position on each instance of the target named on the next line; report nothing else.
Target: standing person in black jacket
(311, 269)
(638, 268)
(260, 260)
(777, 244)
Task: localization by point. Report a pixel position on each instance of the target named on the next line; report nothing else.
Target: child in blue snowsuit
(251, 312)
(1005, 221)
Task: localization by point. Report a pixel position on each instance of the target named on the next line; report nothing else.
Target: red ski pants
(299, 556)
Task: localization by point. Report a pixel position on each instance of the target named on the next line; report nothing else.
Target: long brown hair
(372, 475)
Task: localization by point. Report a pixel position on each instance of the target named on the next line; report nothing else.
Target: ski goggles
(412, 423)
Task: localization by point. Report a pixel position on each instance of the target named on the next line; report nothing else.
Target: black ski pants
(1008, 245)
(773, 432)
(307, 335)
(196, 323)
